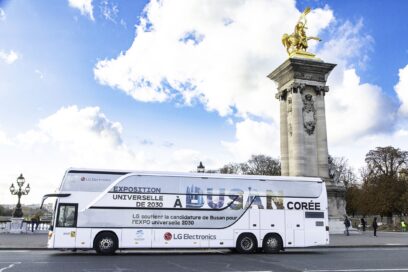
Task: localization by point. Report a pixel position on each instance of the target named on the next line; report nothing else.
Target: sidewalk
(39, 240)
(366, 239)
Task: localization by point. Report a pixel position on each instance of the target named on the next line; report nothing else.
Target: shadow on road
(184, 253)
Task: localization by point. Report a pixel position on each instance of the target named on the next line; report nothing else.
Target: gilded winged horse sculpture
(297, 41)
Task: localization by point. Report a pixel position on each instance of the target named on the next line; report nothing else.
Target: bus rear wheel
(272, 243)
(106, 243)
(247, 243)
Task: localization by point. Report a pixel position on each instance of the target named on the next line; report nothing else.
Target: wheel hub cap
(247, 243)
(106, 243)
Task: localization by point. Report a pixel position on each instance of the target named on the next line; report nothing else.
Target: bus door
(295, 230)
(65, 230)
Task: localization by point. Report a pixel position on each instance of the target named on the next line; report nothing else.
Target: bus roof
(190, 174)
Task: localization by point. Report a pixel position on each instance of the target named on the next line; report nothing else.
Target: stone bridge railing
(25, 226)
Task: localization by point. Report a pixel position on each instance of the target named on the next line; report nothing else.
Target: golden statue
(296, 43)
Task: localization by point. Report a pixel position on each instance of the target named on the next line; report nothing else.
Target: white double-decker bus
(109, 210)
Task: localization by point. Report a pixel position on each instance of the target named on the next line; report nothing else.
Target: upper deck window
(88, 182)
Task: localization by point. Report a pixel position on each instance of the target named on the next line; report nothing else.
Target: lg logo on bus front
(168, 236)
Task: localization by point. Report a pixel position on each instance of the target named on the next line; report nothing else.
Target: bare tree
(231, 168)
(263, 165)
(340, 171)
(256, 165)
(386, 161)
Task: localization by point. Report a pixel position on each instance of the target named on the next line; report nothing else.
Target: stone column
(283, 133)
(297, 158)
(322, 151)
(304, 150)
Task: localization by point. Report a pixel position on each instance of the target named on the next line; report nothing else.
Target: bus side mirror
(51, 228)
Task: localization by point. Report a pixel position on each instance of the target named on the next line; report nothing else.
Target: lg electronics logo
(95, 179)
(186, 236)
(168, 236)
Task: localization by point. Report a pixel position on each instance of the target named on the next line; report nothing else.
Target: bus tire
(247, 243)
(272, 243)
(106, 243)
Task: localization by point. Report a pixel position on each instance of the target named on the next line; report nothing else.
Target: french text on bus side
(312, 206)
(135, 189)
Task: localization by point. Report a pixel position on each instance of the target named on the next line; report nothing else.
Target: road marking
(358, 270)
(10, 266)
(13, 251)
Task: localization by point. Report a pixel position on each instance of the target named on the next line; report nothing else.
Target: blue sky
(64, 46)
(383, 20)
(163, 85)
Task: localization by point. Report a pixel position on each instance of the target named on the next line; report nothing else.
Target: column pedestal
(17, 225)
(337, 206)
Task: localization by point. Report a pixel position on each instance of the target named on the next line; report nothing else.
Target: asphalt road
(312, 260)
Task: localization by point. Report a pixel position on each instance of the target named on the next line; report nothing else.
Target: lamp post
(18, 212)
(200, 168)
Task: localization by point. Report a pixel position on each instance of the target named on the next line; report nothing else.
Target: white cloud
(82, 137)
(402, 90)
(109, 10)
(220, 56)
(254, 137)
(85, 136)
(4, 140)
(348, 45)
(356, 109)
(2, 15)
(10, 57)
(84, 6)
(39, 73)
(70, 137)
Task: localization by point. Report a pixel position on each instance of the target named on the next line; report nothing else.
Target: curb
(317, 247)
(360, 246)
(24, 248)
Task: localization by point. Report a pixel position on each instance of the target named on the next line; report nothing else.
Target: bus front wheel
(272, 243)
(247, 243)
(106, 243)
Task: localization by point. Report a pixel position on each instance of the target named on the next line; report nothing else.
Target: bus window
(67, 215)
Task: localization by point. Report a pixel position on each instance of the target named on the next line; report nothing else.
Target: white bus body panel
(269, 206)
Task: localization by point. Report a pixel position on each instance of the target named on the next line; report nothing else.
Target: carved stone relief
(321, 90)
(289, 106)
(309, 114)
(297, 87)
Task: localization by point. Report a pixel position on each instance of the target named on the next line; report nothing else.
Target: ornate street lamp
(18, 212)
(200, 168)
